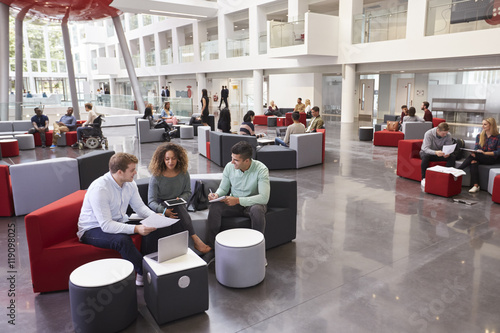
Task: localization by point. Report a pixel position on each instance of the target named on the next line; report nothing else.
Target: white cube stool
(26, 141)
(103, 296)
(491, 179)
(6, 136)
(186, 132)
(240, 257)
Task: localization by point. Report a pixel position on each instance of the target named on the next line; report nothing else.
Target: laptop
(172, 246)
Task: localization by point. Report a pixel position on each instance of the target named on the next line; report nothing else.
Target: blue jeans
(119, 242)
(278, 141)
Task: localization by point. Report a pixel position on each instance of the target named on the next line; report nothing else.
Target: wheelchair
(92, 137)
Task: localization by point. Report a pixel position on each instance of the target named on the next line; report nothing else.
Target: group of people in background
(409, 114)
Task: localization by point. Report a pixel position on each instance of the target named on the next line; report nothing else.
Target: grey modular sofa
(221, 143)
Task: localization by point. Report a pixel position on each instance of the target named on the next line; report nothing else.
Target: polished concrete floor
(373, 254)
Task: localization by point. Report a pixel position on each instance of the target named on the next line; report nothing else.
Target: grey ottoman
(272, 121)
(175, 288)
(103, 296)
(26, 141)
(365, 133)
(186, 132)
(277, 157)
(240, 257)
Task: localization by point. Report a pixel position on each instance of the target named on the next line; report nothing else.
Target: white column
(70, 69)
(297, 9)
(178, 39)
(201, 82)
(225, 31)
(199, 36)
(257, 24)
(258, 90)
(4, 62)
(112, 86)
(19, 66)
(415, 26)
(348, 106)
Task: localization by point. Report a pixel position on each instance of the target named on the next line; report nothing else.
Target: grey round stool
(26, 141)
(240, 257)
(103, 296)
(365, 133)
(272, 121)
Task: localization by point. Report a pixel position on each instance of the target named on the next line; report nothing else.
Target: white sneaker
(139, 281)
(474, 189)
(422, 184)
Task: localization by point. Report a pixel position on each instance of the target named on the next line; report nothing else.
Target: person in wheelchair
(90, 120)
(91, 136)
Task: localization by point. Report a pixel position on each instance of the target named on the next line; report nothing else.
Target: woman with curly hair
(170, 180)
(487, 150)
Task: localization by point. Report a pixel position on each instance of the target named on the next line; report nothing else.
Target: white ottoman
(103, 296)
(240, 257)
(491, 179)
(186, 132)
(26, 141)
(6, 137)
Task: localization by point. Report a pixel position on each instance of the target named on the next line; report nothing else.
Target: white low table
(175, 288)
(103, 296)
(240, 257)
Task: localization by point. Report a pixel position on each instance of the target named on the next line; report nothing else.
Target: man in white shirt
(103, 219)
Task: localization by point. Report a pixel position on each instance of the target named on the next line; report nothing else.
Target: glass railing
(166, 57)
(287, 33)
(238, 47)
(443, 17)
(186, 53)
(136, 59)
(150, 59)
(380, 25)
(263, 43)
(209, 50)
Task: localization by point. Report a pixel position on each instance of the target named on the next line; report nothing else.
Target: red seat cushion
(387, 138)
(495, 195)
(260, 120)
(443, 184)
(6, 201)
(10, 148)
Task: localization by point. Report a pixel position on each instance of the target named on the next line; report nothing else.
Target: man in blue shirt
(40, 124)
(65, 124)
(245, 183)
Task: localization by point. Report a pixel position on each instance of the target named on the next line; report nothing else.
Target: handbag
(393, 126)
(199, 199)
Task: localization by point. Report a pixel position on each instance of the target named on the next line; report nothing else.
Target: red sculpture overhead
(64, 10)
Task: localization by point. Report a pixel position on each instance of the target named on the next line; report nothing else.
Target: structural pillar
(348, 107)
(258, 88)
(297, 9)
(4, 62)
(71, 69)
(127, 58)
(19, 66)
(201, 81)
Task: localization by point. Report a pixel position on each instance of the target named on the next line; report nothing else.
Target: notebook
(172, 246)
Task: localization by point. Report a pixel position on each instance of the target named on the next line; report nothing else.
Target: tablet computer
(175, 202)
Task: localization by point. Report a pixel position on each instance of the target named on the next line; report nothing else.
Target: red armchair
(387, 138)
(54, 248)
(6, 201)
(302, 119)
(409, 159)
(437, 121)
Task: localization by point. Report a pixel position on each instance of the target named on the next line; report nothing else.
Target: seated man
(316, 121)
(103, 219)
(404, 113)
(248, 181)
(434, 140)
(411, 117)
(40, 124)
(296, 128)
(65, 124)
(300, 107)
(90, 120)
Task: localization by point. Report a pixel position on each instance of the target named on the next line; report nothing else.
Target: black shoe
(44, 146)
(209, 257)
(74, 145)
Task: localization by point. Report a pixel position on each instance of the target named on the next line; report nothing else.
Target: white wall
(284, 89)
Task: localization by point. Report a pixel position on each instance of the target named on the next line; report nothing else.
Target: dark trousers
(42, 134)
(426, 158)
(474, 167)
(125, 246)
(223, 99)
(163, 125)
(218, 210)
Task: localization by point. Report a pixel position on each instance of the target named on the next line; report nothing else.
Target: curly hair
(157, 165)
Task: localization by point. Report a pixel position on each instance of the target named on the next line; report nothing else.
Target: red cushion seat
(443, 184)
(9, 147)
(409, 160)
(387, 138)
(260, 119)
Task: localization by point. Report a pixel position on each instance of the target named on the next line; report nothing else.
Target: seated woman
(273, 110)
(411, 117)
(247, 127)
(224, 123)
(170, 180)
(168, 115)
(487, 151)
(148, 114)
(308, 109)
